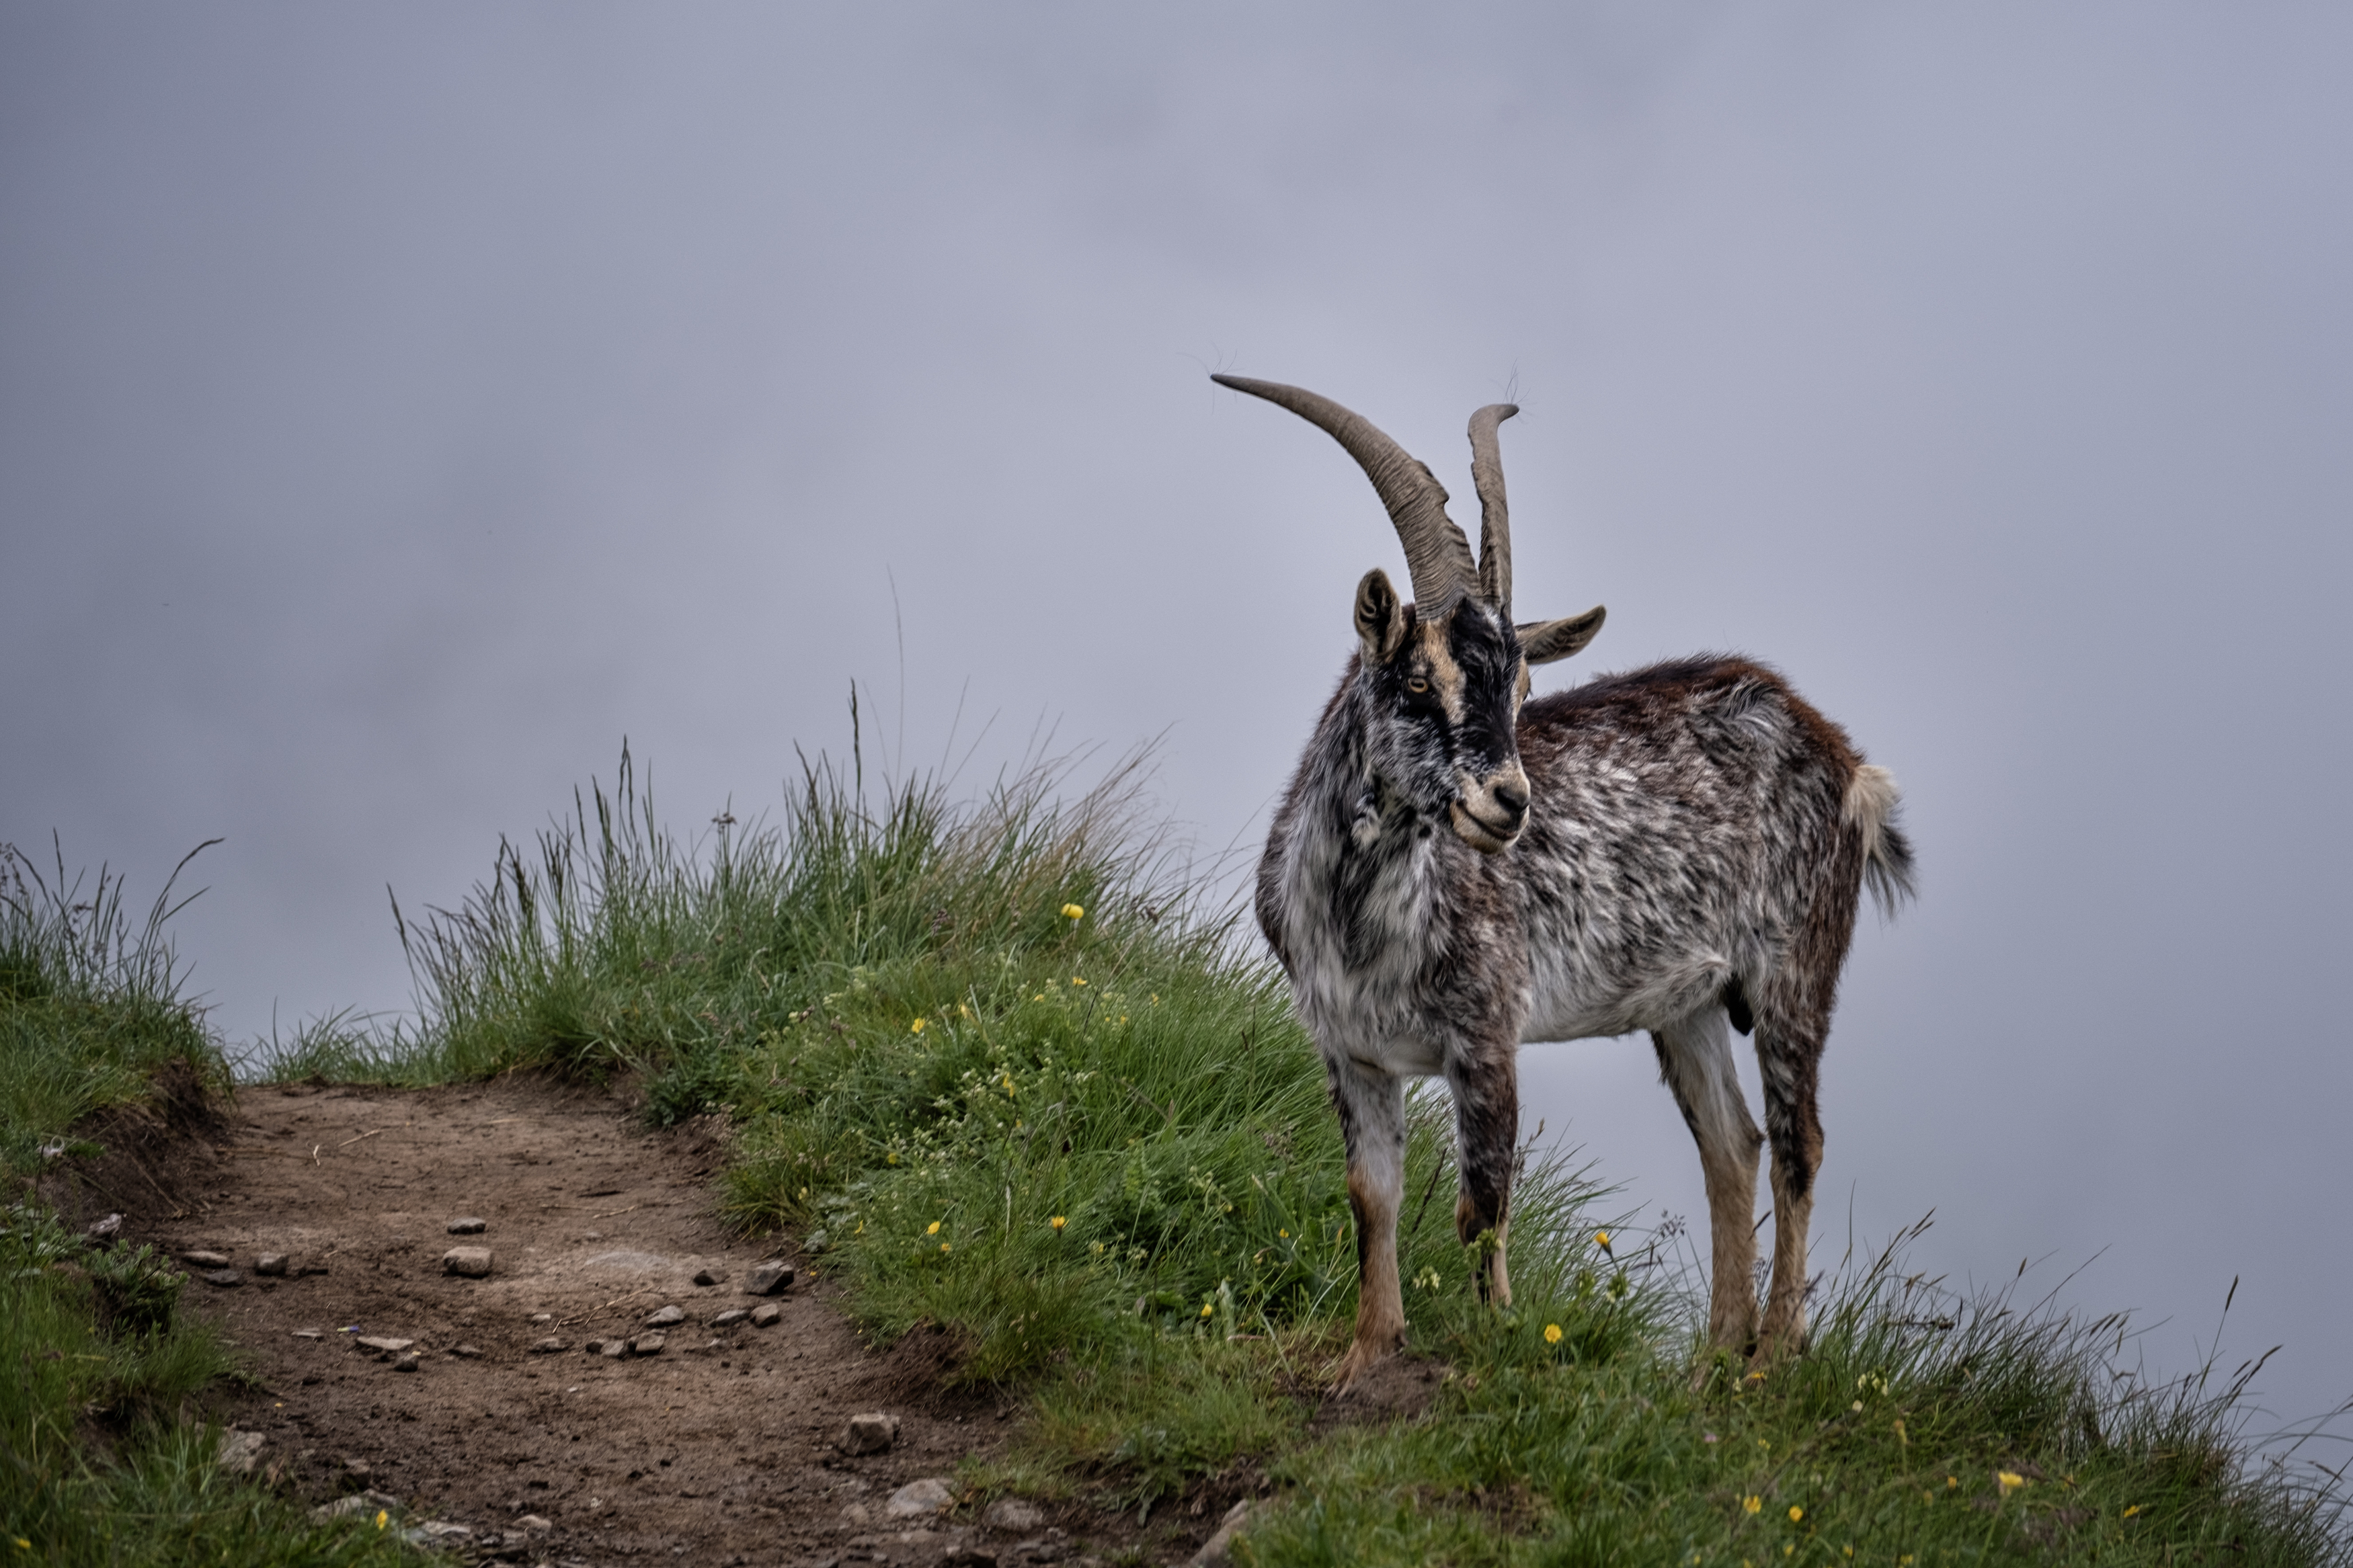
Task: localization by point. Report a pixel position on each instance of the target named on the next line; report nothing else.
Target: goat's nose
(1513, 795)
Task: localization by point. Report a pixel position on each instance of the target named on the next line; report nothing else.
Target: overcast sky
(399, 406)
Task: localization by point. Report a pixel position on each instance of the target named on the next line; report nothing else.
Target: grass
(104, 1458)
(1005, 1076)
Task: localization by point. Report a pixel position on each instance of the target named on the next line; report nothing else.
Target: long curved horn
(1494, 513)
(1435, 553)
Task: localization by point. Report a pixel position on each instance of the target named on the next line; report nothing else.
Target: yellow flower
(2132, 1510)
(1074, 913)
(916, 1028)
(2010, 1480)
(1796, 1513)
(1950, 1483)
(933, 1228)
(1077, 980)
(382, 1517)
(1282, 1233)
(945, 1246)
(1552, 1333)
(1057, 1222)
(1602, 1240)
(1208, 1308)
(1790, 1550)
(1751, 1504)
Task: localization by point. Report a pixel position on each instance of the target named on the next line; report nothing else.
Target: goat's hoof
(1362, 1358)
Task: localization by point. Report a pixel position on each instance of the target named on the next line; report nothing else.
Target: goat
(1675, 849)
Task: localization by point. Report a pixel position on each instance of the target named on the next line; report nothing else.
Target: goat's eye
(1416, 686)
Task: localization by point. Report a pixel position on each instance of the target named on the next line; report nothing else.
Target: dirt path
(719, 1449)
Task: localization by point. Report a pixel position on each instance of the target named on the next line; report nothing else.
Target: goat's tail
(1869, 809)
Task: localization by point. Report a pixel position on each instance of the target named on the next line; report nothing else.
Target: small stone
(470, 1262)
(1217, 1552)
(227, 1279)
(548, 1346)
(543, 1317)
(240, 1451)
(206, 1259)
(1040, 1550)
(441, 1529)
(649, 1344)
(965, 1554)
(104, 1229)
(767, 1316)
(534, 1522)
(272, 1264)
(921, 1499)
(405, 1361)
(467, 1352)
(869, 1433)
(666, 1317)
(1013, 1515)
(709, 1276)
(467, 1225)
(730, 1318)
(767, 1278)
(342, 1508)
(384, 1342)
(308, 1334)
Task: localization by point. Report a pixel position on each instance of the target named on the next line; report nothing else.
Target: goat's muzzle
(1489, 813)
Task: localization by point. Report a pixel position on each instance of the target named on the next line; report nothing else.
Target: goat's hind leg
(1789, 1060)
(1371, 1104)
(1696, 1062)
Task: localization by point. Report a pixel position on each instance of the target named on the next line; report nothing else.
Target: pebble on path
(270, 1263)
(206, 1259)
(729, 1318)
(649, 1344)
(870, 1432)
(709, 1276)
(767, 1278)
(920, 1499)
(405, 1361)
(468, 1224)
(466, 1351)
(226, 1279)
(472, 1262)
(666, 1317)
(386, 1342)
(548, 1346)
(762, 1317)
(1013, 1513)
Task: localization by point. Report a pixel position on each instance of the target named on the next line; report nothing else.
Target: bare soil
(721, 1447)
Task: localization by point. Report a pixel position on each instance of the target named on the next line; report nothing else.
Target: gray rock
(709, 1276)
(649, 1344)
(965, 1554)
(272, 1264)
(921, 1499)
(613, 1349)
(405, 1361)
(384, 1342)
(471, 1262)
(466, 1352)
(666, 1317)
(1217, 1552)
(104, 1229)
(1040, 1550)
(206, 1259)
(344, 1507)
(441, 1529)
(1013, 1515)
(467, 1225)
(869, 1433)
(240, 1451)
(227, 1279)
(548, 1346)
(766, 1316)
(534, 1523)
(767, 1278)
(730, 1318)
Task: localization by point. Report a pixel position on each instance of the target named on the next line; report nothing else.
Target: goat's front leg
(1486, 1091)
(1695, 1061)
(1371, 1103)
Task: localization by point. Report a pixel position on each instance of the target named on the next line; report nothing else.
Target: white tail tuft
(1870, 809)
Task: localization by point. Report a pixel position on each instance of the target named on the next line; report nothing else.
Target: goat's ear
(1380, 616)
(1541, 642)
